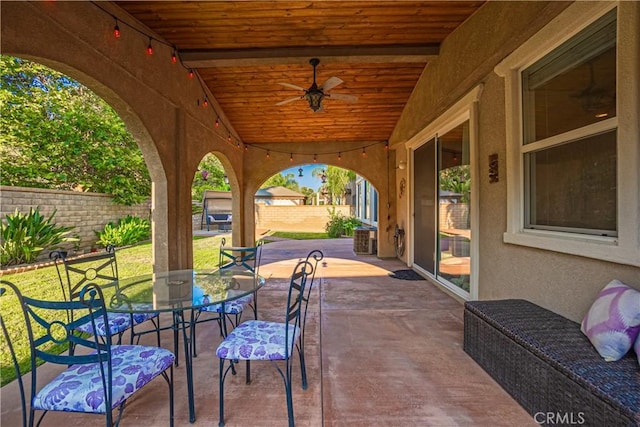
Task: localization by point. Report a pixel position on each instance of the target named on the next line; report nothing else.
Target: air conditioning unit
(364, 240)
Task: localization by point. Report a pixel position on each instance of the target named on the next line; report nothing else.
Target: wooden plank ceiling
(244, 49)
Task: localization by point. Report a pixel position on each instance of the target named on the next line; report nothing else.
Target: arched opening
(122, 119)
(316, 200)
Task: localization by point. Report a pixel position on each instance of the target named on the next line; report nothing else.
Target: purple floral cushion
(235, 306)
(257, 340)
(613, 321)
(79, 387)
(118, 322)
(143, 317)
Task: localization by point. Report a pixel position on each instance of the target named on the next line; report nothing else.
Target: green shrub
(24, 236)
(339, 224)
(128, 230)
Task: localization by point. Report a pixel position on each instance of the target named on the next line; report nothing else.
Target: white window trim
(464, 109)
(625, 248)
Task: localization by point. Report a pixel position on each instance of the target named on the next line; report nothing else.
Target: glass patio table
(181, 292)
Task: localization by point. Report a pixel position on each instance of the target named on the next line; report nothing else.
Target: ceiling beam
(203, 58)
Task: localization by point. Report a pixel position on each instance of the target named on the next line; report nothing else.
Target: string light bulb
(205, 103)
(386, 145)
(339, 156)
(246, 147)
(174, 56)
(217, 123)
(268, 154)
(291, 157)
(190, 73)
(149, 48)
(116, 30)
(364, 152)
(229, 138)
(315, 158)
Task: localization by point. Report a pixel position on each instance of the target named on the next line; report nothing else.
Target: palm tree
(336, 183)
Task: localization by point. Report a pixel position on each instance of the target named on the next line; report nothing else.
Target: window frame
(624, 248)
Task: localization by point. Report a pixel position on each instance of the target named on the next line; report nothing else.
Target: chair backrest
(47, 330)
(9, 293)
(247, 257)
(100, 269)
(295, 295)
(312, 259)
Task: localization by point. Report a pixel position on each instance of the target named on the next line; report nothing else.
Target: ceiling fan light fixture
(314, 96)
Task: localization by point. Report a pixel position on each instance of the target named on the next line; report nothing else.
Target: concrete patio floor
(379, 351)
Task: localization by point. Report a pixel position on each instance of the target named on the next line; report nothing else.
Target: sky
(307, 180)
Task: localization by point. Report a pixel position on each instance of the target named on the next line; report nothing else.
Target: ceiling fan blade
(331, 83)
(286, 101)
(343, 97)
(289, 85)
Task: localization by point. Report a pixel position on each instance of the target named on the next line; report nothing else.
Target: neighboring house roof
(279, 193)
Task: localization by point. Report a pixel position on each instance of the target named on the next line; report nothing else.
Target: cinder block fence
(87, 212)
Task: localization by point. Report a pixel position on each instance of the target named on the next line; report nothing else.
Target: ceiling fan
(315, 94)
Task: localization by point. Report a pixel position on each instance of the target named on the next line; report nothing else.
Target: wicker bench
(545, 362)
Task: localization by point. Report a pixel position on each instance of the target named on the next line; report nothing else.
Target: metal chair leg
(221, 391)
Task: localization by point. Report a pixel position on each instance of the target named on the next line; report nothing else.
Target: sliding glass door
(454, 224)
(441, 201)
(424, 202)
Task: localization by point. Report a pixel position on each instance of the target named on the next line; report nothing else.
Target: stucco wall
(296, 218)
(86, 212)
(563, 283)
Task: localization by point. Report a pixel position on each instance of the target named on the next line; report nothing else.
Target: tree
(337, 180)
(457, 179)
(210, 176)
(58, 134)
(309, 195)
(279, 180)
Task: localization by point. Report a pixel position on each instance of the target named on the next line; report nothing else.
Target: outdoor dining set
(86, 330)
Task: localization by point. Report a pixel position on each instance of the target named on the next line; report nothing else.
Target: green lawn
(297, 235)
(43, 283)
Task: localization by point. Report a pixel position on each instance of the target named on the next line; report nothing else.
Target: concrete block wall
(87, 212)
(454, 216)
(307, 218)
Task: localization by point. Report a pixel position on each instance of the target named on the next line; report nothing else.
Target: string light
(362, 149)
(386, 145)
(175, 58)
(237, 144)
(116, 30)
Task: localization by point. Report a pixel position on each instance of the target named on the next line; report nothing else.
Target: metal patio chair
(259, 340)
(102, 270)
(97, 380)
(247, 257)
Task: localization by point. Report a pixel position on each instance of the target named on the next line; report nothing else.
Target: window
(573, 135)
(570, 178)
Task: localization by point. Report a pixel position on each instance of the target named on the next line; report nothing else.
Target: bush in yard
(128, 230)
(339, 224)
(24, 236)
